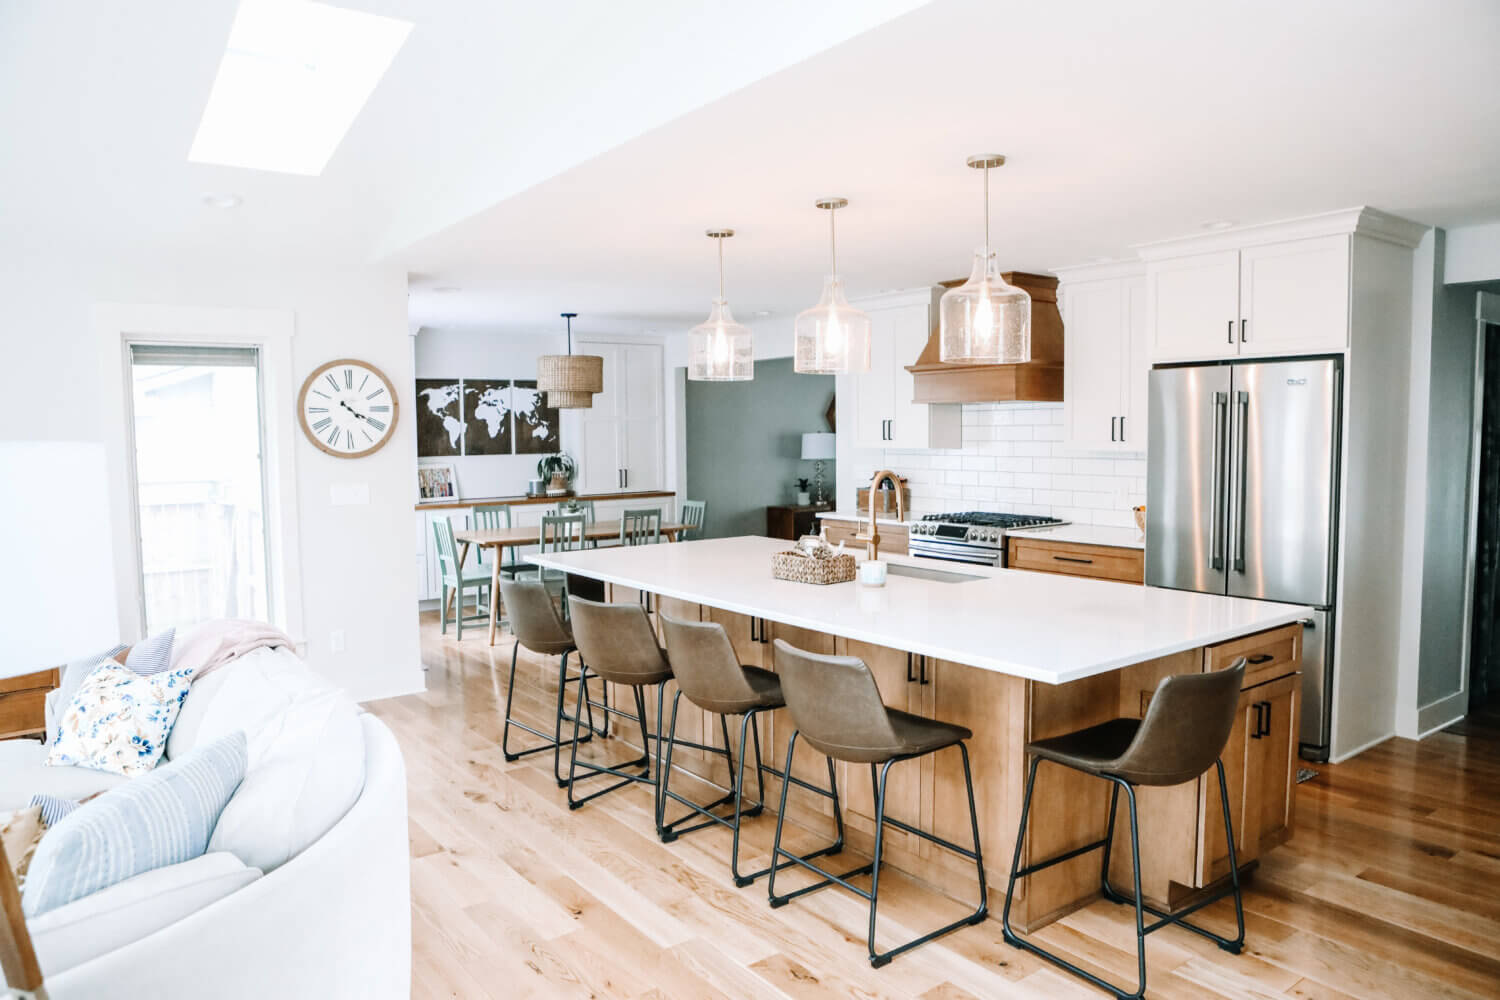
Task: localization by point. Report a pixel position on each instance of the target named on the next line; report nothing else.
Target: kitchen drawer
(1268, 655)
(1102, 562)
(892, 538)
(23, 703)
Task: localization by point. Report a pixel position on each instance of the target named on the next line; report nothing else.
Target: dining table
(500, 539)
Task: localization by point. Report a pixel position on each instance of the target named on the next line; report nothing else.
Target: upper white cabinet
(1106, 357)
(883, 411)
(619, 443)
(1274, 298)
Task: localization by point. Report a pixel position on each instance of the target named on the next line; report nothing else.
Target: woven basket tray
(822, 569)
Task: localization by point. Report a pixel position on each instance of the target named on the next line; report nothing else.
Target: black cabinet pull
(1122, 428)
(1231, 331)
(763, 639)
(1260, 658)
(1073, 559)
(909, 675)
(1242, 329)
(1265, 729)
(1255, 729)
(1112, 422)
(924, 670)
(752, 631)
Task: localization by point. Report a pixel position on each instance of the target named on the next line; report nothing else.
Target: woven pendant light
(570, 380)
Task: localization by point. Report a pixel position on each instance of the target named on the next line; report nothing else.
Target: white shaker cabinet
(1106, 357)
(1264, 299)
(619, 443)
(884, 414)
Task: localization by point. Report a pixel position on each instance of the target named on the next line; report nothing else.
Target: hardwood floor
(1390, 886)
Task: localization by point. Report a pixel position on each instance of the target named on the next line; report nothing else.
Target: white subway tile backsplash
(1013, 459)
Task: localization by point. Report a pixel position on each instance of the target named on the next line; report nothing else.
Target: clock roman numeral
(333, 436)
(349, 440)
(377, 392)
(363, 381)
(317, 409)
(322, 424)
(380, 409)
(323, 394)
(331, 381)
(366, 434)
(348, 378)
(377, 424)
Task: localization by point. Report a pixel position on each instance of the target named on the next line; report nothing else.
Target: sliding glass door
(200, 485)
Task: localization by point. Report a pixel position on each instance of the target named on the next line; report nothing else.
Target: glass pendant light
(985, 321)
(719, 349)
(570, 380)
(833, 337)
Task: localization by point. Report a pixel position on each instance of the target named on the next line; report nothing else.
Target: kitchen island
(1014, 656)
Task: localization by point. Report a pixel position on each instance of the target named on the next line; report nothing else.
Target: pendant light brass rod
(986, 215)
(833, 242)
(720, 241)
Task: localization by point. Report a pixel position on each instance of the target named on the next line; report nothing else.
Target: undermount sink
(935, 575)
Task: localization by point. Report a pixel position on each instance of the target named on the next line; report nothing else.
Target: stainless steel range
(974, 536)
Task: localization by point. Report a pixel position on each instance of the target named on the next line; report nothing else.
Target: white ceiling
(554, 156)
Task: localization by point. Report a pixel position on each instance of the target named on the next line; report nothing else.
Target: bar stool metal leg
(1141, 907)
(618, 770)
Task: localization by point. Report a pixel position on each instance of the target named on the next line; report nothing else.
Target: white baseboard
(1340, 758)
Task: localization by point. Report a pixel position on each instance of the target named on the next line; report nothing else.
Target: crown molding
(1362, 221)
(1101, 271)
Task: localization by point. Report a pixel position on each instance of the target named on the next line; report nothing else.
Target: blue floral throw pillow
(119, 720)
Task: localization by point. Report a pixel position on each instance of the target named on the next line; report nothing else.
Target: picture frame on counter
(437, 481)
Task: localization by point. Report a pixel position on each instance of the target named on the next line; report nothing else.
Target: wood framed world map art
(484, 416)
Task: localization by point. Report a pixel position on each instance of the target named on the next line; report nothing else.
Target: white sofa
(332, 921)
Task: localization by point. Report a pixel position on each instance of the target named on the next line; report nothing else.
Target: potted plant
(557, 471)
(803, 497)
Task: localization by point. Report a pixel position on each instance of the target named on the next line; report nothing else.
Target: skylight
(294, 76)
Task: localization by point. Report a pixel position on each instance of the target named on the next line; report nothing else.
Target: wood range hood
(1039, 380)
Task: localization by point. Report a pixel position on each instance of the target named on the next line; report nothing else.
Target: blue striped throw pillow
(152, 655)
(159, 819)
(53, 808)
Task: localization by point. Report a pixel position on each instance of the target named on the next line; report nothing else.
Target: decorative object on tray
(557, 472)
(1140, 519)
(813, 561)
(803, 497)
(438, 481)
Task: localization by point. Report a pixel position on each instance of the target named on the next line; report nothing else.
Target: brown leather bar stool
(710, 676)
(1185, 729)
(837, 708)
(535, 623)
(617, 644)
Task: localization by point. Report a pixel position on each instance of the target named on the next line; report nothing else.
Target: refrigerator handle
(1217, 489)
(1242, 467)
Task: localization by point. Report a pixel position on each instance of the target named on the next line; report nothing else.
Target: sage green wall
(744, 443)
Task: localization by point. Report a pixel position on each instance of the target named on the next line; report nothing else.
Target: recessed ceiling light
(446, 289)
(1217, 224)
(293, 77)
(221, 199)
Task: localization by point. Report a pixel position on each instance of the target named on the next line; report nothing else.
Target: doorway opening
(1484, 624)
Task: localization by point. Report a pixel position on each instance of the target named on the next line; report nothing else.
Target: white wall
(467, 353)
(355, 560)
(1473, 254)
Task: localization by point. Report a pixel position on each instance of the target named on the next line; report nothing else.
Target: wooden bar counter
(1014, 656)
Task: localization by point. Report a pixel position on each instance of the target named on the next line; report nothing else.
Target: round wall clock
(348, 408)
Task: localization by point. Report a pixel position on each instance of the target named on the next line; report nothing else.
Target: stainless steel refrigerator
(1242, 497)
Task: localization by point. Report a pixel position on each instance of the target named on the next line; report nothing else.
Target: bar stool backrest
(835, 703)
(1185, 729)
(616, 640)
(704, 664)
(533, 616)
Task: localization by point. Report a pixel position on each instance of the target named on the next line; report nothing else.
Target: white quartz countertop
(1086, 534)
(1041, 626)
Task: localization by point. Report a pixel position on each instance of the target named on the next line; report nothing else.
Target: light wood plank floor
(1390, 887)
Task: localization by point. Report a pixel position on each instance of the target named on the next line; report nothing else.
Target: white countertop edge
(927, 648)
(1106, 535)
(838, 515)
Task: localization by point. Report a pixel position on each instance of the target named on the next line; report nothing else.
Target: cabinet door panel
(641, 423)
(1272, 759)
(1095, 351)
(875, 390)
(1137, 367)
(1192, 306)
(1213, 849)
(1294, 297)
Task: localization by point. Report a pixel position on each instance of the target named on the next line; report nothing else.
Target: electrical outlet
(336, 640)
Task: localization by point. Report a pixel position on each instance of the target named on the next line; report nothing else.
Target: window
(199, 483)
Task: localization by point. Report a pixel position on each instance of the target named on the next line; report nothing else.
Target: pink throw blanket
(215, 643)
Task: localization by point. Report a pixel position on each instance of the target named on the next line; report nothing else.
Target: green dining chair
(457, 579)
(559, 533)
(496, 517)
(692, 519)
(584, 507)
(641, 526)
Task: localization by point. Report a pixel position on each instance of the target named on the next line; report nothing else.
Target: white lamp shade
(57, 594)
(986, 320)
(833, 337)
(817, 446)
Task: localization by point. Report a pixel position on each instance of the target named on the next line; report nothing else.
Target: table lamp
(817, 448)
